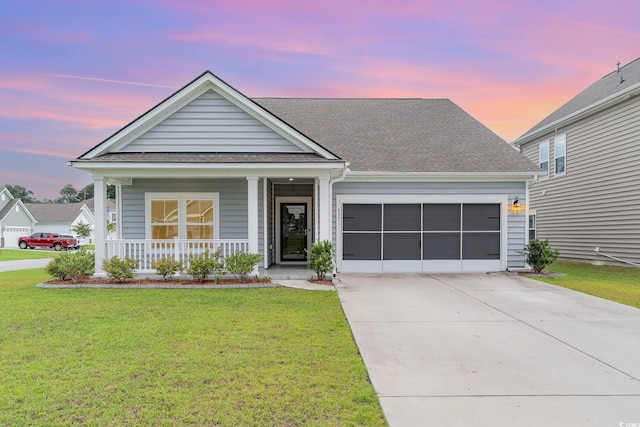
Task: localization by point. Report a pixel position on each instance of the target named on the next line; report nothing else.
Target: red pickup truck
(47, 240)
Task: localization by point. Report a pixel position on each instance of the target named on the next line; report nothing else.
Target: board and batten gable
(211, 123)
(516, 224)
(596, 203)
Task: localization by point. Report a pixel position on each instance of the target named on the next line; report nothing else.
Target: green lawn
(19, 254)
(237, 357)
(620, 284)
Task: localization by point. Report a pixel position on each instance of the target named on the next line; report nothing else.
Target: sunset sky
(74, 72)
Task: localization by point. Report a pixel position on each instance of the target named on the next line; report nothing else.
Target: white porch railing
(147, 251)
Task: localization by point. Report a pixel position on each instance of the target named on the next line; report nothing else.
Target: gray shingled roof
(400, 135)
(608, 85)
(54, 212)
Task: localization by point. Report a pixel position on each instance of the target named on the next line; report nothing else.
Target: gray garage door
(421, 237)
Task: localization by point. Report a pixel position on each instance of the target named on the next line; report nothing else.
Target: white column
(324, 202)
(252, 215)
(100, 213)
(265, 225)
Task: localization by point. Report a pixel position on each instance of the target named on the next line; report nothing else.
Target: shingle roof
(400, 135)
(612, 83)
(54, 212)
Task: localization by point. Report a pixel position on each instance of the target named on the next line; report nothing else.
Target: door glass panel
(293, 217)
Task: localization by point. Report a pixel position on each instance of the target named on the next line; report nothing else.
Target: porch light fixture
(516, 207)
(290, 179)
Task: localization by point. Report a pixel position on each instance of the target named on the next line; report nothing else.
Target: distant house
(398, 185)
(589, 148)
(15, 220)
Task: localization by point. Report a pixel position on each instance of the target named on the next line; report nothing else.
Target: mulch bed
(541, 274)
(88, 281)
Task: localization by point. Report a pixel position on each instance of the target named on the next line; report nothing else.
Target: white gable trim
(181, 98)
(24, 209)
(6, 193)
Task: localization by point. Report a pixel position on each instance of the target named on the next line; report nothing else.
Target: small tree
(539, 254)
(81, 229)
(321, 258)
(242, 263)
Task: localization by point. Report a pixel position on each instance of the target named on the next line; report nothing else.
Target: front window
(183, 216)
(543, 154)
(560, 150)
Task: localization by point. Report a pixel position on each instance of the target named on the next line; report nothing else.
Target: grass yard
(237, 357)
(620, 284)
(20, 254)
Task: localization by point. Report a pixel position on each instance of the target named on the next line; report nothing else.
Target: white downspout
(342, 176)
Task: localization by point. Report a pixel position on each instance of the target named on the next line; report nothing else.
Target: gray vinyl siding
(597, 202)
(210, 123)
(232, 209)
(515, 223)
(17, 219)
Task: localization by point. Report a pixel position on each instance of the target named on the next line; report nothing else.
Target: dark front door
(293, 226)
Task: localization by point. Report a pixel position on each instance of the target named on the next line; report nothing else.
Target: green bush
(120, 269)
(321, 258)
(203, 265)
(242, 263)
(70, 265)
(538, 254)
(167, 267)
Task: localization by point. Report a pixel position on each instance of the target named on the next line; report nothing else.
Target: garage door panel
(362, 217)
(402, 217)
(441, 246)
(361, 246)
(401, 246)
(441, 217)
(481, 246)
(485, 217)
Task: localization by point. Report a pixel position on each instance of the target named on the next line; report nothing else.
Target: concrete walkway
(494, 350)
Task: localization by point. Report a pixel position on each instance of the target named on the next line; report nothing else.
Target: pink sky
(74, 72)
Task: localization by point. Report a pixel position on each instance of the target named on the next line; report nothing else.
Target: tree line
(68, 194)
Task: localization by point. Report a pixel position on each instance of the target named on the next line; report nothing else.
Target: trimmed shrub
(167, 267)
(321, 258)
(203, 265)
(242, 263)
(539, 254)
(120, 269)
(71, 265)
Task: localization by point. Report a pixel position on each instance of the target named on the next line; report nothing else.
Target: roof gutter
(580, 114)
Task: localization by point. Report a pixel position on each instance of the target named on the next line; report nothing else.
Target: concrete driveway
(494, 350)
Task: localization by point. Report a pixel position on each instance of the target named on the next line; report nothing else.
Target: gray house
(15, 220)
(589, 148)
(399, 185)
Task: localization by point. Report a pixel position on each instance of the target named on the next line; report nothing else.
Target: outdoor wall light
(516, 207)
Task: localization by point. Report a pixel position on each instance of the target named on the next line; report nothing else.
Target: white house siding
(515, 223)
(597, 202)
(210, 123)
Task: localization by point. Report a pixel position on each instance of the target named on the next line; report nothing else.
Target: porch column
(324, 205)
(100, 232)
(252, 215)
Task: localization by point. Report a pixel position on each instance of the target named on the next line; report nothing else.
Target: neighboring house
(589, 196)
(60, 217)
(398, 185)
(15, 220)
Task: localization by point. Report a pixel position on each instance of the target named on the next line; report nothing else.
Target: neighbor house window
(183, 216)
(560, 153)
(532, 225)
(543, 154)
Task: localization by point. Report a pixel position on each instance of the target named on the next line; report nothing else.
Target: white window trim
(182, 210)
(563, 138)
(540, 146)
(533, 214)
